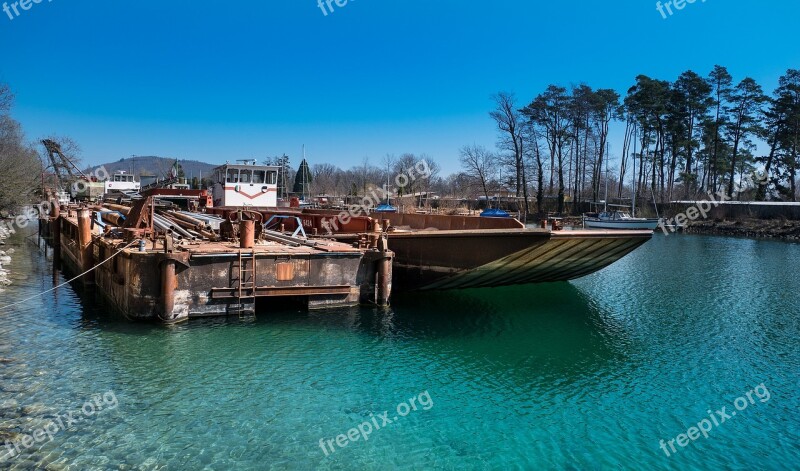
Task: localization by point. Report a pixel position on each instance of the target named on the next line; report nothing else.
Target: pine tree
(302, 180)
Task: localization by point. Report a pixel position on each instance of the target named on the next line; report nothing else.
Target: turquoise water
(584, 375)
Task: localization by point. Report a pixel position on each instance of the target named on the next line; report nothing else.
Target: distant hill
(158, 166)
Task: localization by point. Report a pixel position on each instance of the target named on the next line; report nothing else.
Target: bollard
(376, 233)
(247, 231)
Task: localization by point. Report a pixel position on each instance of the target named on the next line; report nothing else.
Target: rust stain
(285, 271)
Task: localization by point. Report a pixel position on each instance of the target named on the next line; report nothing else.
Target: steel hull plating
(441, 260)
(454, 252)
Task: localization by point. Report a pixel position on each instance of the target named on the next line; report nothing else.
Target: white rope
(70, 281)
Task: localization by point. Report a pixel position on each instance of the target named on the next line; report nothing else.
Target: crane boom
(62, 165)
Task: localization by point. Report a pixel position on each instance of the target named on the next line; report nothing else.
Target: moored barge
(167, 277)
(439, 252)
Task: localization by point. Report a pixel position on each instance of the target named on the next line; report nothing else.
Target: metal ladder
(247, 284)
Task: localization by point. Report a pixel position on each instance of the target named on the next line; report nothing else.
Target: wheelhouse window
(244, 176)
(258, 177)
(233, 175)
(272, 177)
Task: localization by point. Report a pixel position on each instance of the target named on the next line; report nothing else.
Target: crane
(62, 165)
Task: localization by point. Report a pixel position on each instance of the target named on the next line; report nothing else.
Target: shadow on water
(549, 329)
(550, 332)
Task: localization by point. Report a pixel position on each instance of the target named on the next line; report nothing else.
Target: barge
(153, 260)
(439, 252)
(151, 274)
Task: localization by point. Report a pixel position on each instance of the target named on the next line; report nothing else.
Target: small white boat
(617, 220)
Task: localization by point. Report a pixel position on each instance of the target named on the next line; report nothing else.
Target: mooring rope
(73, 279)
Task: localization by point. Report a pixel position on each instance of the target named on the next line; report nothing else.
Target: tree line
(19, 160)
(682, 139)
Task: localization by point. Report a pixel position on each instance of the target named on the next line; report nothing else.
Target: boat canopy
(385, 208)
(495, 213)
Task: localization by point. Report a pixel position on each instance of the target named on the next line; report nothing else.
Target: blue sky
(225, 80)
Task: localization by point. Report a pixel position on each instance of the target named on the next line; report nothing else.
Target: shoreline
(5, 258)
(771, 229)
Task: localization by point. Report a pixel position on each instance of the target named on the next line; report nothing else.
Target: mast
(605, 200)
(633, 191)
(388, 195)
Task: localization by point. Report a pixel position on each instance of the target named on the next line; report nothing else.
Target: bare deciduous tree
(21, 166)
(510, 123)
(479, 166)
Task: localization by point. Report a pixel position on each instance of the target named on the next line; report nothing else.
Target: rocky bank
(781, 229)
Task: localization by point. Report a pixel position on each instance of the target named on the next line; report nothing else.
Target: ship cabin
(246, 184)
(121, 182)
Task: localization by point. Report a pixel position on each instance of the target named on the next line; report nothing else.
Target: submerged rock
(9, 404)
(9, 436)
(38, 409)
(11, 388)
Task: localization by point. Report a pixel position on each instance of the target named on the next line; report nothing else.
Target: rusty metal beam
(265, 292)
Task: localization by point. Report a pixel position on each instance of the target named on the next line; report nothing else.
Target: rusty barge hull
(200, 279)
(441, 252)
(424, 260)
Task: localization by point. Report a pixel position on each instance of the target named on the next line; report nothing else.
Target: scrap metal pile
(151, 218)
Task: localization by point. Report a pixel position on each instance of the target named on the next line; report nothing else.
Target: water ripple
(587, 375)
